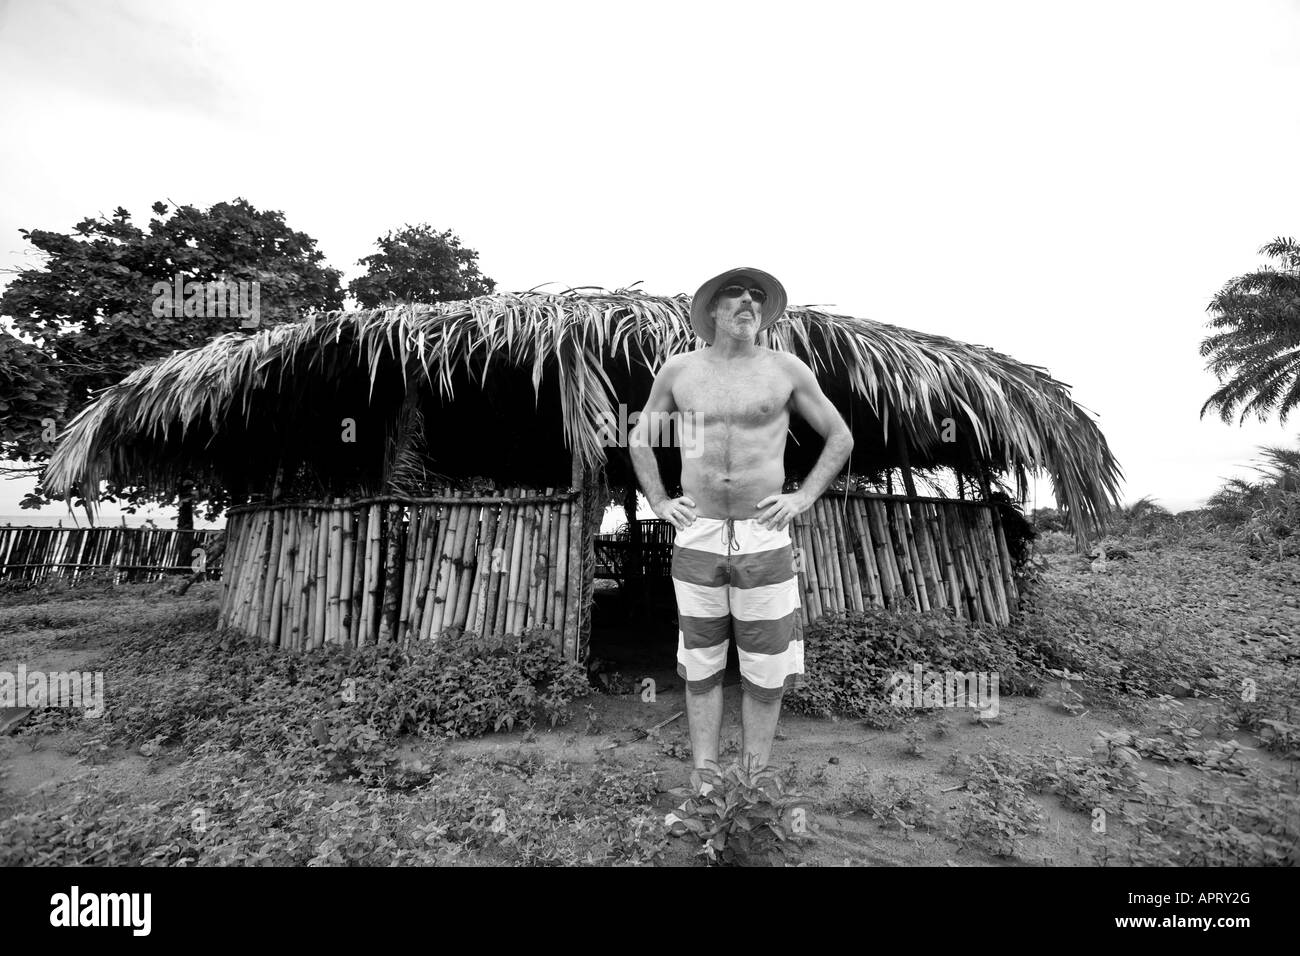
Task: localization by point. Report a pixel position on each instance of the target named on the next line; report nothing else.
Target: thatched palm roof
(245, 404)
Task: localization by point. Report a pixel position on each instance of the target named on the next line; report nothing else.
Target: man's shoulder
(680, 361)
(788, 360)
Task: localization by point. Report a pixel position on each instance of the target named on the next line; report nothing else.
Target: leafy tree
(32, 399)
(1258, 349)
(419, 264)
(102, 302)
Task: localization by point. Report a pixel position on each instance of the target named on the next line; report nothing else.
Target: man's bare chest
(752, 395)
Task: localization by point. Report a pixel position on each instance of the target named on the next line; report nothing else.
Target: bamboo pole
(1008, 568)
(540, 565)
(466, 536)
(275, 636)
(891, 583)
(305, 571)
(117, 551)
(494, 621)
(458, 611)
(924, 584)
(476, 614)
(230, 580)
(370, 602)
(815, 605)
(528, 568)
(299, 584)
(903, 558)
(449, 571)
(257, 576)
(948, 533)
(237, 592)
(989, 545)
(800, 536)
(970, 585)
(848, 545)
(59, 554)
(345, 572)
(356, 635)
(523, 582)
(266, 597)
(435, 571)
(34, 555)
(848, 561)
(943, 559)
(248, 579)
(18, 563)
(410, 559)
(430, 522)
(982, 567)
(573, 611)
(307, 582)
(333, 532)
(288, 595)
(442, 569)
(516, 569)
(821, 551)
(902, 554)
(935, 587)
(392, 595)
(234, 531)
(952, 576)
(51, 559)
(857, 511)
(561, 583)
(490, 570)
(799, 555)
(550, 606)
(828, 558)
(943, 552)
(320, 599)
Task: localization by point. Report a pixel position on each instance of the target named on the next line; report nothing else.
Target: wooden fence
(132, 554)
(894, 551)
(389, 569)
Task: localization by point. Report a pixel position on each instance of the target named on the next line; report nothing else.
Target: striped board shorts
(732, 575)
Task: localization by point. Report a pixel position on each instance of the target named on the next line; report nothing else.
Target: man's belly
(731, 493)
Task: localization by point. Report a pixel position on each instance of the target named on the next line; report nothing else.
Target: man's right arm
(680, 511)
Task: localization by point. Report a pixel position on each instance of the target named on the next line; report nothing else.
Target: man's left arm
(810, 402)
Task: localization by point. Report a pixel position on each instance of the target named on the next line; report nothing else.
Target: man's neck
(727, 349)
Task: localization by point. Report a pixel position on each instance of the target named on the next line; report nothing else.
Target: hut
(396, 473)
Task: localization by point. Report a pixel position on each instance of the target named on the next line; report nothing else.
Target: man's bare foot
(699, 784)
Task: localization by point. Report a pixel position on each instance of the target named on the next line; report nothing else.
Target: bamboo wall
(133, 554)
(394, 569)
(894, 551)
(375, 570)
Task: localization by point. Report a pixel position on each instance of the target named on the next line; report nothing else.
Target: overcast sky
(1067, 183)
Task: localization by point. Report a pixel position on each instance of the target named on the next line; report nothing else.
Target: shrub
(850, 658)
(742, 818)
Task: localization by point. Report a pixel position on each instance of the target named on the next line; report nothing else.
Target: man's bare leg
(758, 727)
(704, 714)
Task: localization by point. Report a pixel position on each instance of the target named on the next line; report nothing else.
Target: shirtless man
(732, 560)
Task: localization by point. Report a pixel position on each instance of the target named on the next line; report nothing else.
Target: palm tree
(1239, 499)
(1256, 356)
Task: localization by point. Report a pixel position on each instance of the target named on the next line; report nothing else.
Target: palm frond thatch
(591, 349)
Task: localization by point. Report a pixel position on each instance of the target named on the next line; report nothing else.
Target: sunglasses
(736, 291)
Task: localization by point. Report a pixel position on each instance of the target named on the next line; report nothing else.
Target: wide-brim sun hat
(772, 309)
